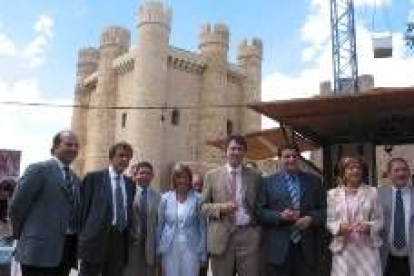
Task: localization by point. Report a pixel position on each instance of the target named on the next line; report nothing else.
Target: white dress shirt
(406, 196)
(241, 216)
(113, 175)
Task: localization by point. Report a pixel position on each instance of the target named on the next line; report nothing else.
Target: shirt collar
(60, 164)
(113, 174)
(231, 169)
(404, 189)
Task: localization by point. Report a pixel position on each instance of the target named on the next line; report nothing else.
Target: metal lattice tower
(344, 55)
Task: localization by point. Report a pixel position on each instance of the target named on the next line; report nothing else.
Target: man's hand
(344, 229)
(303, 223)
(289, 215)
(228, 208)
(361, 227)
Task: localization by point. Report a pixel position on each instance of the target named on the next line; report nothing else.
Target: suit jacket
(40, 213)
(194, 224)
(217, 191)
(274, 198)
(385, 197)
(97, 214)
(136, 235)
(368, 210)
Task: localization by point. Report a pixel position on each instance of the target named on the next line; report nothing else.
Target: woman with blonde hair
(355, 219)
(181, 227)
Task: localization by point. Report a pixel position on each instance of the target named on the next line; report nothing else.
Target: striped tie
(399, 221)
(293, 188)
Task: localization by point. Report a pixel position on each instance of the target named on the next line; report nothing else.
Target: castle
(165, 101)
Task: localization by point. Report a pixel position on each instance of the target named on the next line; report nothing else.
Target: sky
(39, 41)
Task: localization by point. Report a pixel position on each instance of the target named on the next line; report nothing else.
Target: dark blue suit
(96, 237)
(274, 198)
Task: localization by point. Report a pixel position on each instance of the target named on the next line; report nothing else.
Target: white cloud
(44, 25)
(7, 46)
(34, 51)
(32, 54)
(27, 128)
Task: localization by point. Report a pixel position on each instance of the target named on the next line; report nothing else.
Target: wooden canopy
(380, 115)
(263, 144)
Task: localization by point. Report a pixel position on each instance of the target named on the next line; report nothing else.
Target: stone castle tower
(167, 102)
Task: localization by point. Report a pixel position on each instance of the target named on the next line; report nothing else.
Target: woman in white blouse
(355, 219)
(181, 227)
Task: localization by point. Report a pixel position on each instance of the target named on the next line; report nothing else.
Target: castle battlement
(183, 60)
(116, 36)
(88, 59)
(124, 64)
(250, 48)
(154, 12)
(88, 55)
(216, 34)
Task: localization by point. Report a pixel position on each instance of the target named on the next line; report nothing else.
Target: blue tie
(293, 188)
(399, 221)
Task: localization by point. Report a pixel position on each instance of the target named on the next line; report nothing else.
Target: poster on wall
(9, 164)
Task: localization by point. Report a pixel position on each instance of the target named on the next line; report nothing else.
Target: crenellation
(154, 12)
(214, 39)
(124, 64)
(88, 60)
(249, 50)
(116, 36)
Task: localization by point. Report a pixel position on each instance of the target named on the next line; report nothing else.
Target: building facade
(165, 101)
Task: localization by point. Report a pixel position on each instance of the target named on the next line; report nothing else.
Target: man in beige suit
(229, 202)
(142, 260)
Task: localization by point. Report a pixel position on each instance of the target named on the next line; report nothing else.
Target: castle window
(123, 119)
(229, 127)
(175, 117)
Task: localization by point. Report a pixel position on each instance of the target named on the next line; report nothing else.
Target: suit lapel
(226, 179)
(190, 206)
(303, 186)
(58, 175)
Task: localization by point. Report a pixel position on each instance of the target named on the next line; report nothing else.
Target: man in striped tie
(398, 204)
(291, 208)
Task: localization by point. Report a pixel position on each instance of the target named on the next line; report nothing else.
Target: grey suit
(142, 249)
(40, 213)
(385, 196)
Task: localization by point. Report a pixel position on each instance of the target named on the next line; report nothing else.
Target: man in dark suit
(291, 208)
(397, 200)
(106, 205)
(44, 212)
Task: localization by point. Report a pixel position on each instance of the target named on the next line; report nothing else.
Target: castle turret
(214, 45)
(214, 41)
(88, 59)
(143, 127)
(250, 60)
(115, 41)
